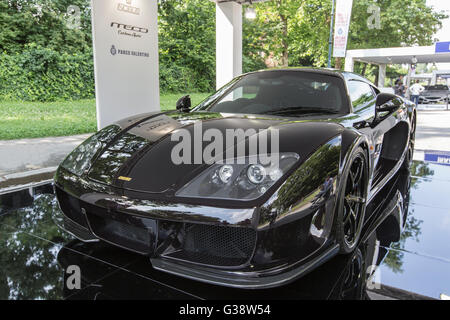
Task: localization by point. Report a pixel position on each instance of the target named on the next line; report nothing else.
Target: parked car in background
(437, 94)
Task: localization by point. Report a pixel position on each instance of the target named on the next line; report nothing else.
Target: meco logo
(128, 27)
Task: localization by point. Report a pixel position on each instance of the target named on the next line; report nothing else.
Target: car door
(363, 97)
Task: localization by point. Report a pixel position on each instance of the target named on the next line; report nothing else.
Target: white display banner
(125, 36)
(341, 27)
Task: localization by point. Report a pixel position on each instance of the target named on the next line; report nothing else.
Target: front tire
(352, 200)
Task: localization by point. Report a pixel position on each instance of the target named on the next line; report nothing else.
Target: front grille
(216, 246)
(70, 206)
(128, 236)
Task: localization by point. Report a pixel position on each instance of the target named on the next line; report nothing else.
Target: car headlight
(236, 181)
(79, 160)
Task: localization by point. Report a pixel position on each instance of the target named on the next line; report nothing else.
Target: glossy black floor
(35, 254)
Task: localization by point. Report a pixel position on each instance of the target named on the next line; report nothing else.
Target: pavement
(433, 130)
(33, 159)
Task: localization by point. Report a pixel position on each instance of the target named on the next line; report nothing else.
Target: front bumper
(245, 280)
(214, 245)
(433, 100)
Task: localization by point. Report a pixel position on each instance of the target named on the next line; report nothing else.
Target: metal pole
(330, 42)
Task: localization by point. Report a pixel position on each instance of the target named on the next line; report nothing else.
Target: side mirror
(184, 104)
(387, 102)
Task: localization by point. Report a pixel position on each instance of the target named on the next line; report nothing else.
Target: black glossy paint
(289, 230)
(35, 254)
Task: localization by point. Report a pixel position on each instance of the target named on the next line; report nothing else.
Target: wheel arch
(351, 140)
(360, 144)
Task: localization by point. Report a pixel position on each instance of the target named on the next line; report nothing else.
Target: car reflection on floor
(35, 254)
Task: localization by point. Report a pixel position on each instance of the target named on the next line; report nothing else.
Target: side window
(361, 95)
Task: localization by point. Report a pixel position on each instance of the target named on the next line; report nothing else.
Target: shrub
(41, 74)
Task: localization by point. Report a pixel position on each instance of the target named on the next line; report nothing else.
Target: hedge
(41, 74)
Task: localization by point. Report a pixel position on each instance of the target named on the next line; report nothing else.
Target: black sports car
(216, 210)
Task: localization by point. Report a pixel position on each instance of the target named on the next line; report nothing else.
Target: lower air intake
(216, 246)
(124, 235)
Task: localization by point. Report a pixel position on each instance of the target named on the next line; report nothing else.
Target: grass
(53, 119)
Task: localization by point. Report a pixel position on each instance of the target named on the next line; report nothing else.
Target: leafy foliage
(296, 32)
(42, 59)
(187, 45)
(42, 74)
(44, 22)
(409, 22)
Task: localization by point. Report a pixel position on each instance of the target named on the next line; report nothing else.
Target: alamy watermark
(73, 281)
(374, 20)
(73, 17)
(233, 146)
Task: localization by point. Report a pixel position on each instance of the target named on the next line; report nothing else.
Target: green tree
(403, 23)
(272, 30)
(45, 23)
(296, 32)
(252, 53)
(187, 44)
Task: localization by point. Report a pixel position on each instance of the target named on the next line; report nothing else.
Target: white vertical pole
(434, 78)
(349, 62)
(228, 42)
(381, 75)
(408, 81)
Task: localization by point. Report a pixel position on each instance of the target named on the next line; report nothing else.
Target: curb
(20, 180)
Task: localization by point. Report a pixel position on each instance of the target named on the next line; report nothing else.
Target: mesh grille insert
(217, 246)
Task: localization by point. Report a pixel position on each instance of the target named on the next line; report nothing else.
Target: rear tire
(352, 200)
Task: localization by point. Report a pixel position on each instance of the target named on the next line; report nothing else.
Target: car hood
(140, 157)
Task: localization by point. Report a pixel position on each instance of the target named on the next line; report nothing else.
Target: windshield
(280, 93)
(438, 87)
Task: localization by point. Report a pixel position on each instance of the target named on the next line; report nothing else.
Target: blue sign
(443, 47)
(439, 157)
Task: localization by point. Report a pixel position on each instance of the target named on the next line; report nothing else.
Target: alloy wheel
(354, 201)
